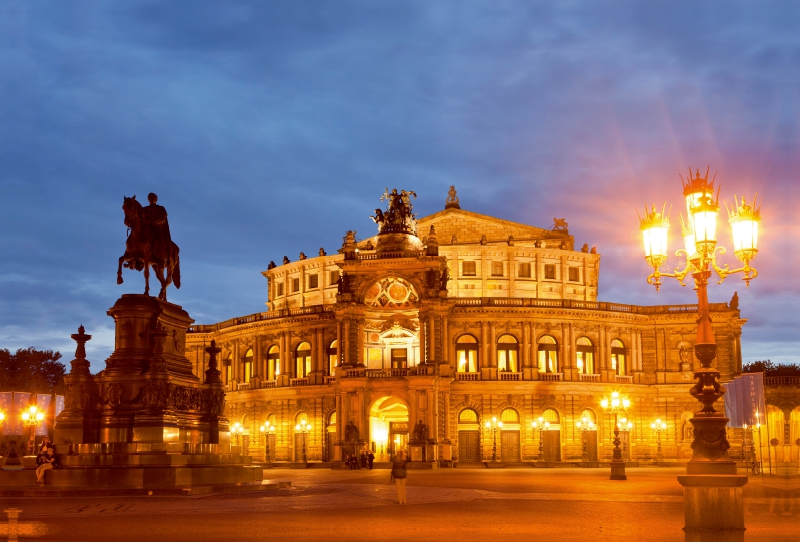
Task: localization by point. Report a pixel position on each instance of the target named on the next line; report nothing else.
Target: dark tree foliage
(770, 369)
(32, 370)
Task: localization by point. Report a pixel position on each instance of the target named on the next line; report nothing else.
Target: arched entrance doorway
(388, 427)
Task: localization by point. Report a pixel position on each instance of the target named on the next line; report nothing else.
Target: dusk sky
(270, 128)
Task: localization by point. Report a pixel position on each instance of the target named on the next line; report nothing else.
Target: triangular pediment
(469, 227)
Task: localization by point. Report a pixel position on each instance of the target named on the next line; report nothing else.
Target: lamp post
(659, 427)
(541, 425)
(303, 428)
(32, 417)
(710, 445)
(267, 430)
(585, 424)
(494, 425)
(616, 405)
(236, 430)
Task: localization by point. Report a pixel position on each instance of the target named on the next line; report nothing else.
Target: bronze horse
(140, 254)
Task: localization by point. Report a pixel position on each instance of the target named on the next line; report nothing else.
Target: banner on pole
(744, 400)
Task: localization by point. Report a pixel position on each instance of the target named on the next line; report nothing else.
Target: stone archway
(388, 427)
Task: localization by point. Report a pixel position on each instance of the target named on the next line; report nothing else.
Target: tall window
(248, 365)
(333, 354)
(497, 269)
(302, 360)
(507, 353)
(618, 360)
(313, 281)
(468, 269)
(549, 271)
(334, 278)
(524, 270)
(573, 274)
(509, 415)
(584, 356)
(273, 362)
(279, 288)
(467, 354)
(295, 285)
(551, 415)
(548, 354)
(228, 370)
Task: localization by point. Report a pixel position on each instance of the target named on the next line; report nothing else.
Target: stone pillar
(423, 341)
(286, 365)
(485, 363)
(431, 336)
(360, 342)
(491, 345)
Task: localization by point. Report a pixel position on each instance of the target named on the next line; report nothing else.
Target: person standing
(400, 475)
(370, 459)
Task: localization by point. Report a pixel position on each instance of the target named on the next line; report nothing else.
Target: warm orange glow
(744, 221)
(655, 227)
(704, 221)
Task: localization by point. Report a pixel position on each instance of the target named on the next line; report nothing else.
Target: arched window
(248, 365)
(333, 355)
(273, 362)
(467, 354)
(551, 415)
(584, 356)
(507, 353)
(548, 354)
(302, 416)
(468, 416)
(588, 415)
(619, 361)
(332, 419)
(302, 360)
(509, 415)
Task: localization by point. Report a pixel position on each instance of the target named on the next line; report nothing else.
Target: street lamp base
(713, 507)
(618, 470)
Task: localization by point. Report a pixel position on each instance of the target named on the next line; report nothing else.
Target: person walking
(400, 475)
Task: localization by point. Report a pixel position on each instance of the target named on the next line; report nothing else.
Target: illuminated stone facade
(473, 317)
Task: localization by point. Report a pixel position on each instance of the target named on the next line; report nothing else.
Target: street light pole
(267, 429)
(710, 445)
(616, 404)
(31, 419)
(494, 425)
(541, 425)
(659, 427)
(585, 424)
(303, 428)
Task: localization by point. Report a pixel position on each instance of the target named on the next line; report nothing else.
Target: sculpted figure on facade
(351, 432)
(399, 216)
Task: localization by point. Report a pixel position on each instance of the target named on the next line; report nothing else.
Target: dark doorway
(469, 446)
(552, 445)
(509, 446)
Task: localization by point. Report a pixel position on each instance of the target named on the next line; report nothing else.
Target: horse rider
(156, 226)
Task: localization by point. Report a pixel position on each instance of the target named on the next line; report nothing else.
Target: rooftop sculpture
(398, 217)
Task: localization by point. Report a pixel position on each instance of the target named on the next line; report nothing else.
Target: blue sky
(270, 128)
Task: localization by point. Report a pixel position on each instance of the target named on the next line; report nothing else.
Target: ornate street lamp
(585, 424)
(616, 405)
(236, 430)
(303, 428)
(494, 425)
(541, 425)
(659, 427)
(267, 430)
(710, 445)
(32, 419)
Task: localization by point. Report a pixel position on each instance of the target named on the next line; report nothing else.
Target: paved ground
(504, 504)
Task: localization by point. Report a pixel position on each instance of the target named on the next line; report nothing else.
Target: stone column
(423, 341)
(485, 363)
(360, 342)
(256, 377)
(492, 350)
(431, 336)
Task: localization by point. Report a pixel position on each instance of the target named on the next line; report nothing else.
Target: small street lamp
(303, 428)
(616, 405)
(494, 425)
(585, 424)
(236, 430)
(541, 425)
(31, 419)
(267, 430)
(659, 427)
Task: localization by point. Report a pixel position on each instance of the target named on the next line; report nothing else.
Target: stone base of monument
(713, 507)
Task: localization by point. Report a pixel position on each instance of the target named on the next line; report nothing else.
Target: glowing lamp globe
(744, 221)
(655, 227)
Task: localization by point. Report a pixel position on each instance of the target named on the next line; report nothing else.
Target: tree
(770, 369)
(29, 369)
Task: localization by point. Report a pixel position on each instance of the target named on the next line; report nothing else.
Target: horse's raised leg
(146, 280)
(164, 282)
(119, 269)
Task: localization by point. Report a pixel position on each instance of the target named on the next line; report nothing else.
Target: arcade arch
(388, 427)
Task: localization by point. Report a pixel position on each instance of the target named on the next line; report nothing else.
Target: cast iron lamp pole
(494, 425)
(659, 427)
(541, 425)
(237, 430)
(303, 428)
(31, 419)
(616, 404)
(710, 445)
(267, 429)
(585, 424)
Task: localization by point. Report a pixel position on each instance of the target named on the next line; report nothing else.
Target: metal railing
(510, 377)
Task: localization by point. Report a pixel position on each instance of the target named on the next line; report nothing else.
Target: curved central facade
(415, 337)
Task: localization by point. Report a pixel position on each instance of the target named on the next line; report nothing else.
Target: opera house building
(429, 334)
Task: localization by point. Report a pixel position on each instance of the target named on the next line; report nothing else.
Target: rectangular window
(295, 285)
(573, 274)
(248, 371)
(334, 278)
(525, 270)
(549, 271)
(280, 289)
(468, 269)
(497, 269)
(313, 281)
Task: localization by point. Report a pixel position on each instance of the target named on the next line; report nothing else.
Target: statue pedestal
(713, 507)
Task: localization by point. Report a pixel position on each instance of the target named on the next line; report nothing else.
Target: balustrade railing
(551, 377)
(298, 381)
(623, 379)
(243, 386)
(269, 384)
(782, 381)
(468, 377)
(578, 304)
(328, 379)
(589, 378)
(510, 377)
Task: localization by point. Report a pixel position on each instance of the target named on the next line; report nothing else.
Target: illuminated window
(248, 365)
(584, 356)
(467, 416)
(551, 415)
(295, 285)
(302, 360)
(548, 354)
(399, 358)
(507, 353)
(313, 281)
(467, 354)
(279, 288)
(549, 271)
(509, 415)
(334, 278)
(228, 370)
(333, 354)
(619, 361)
(589, 415)
(273, 362)
(524, 270)
(497, 269)
(468, 269)
(573, 274)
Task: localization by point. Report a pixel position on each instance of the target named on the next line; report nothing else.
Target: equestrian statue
(149, 244)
